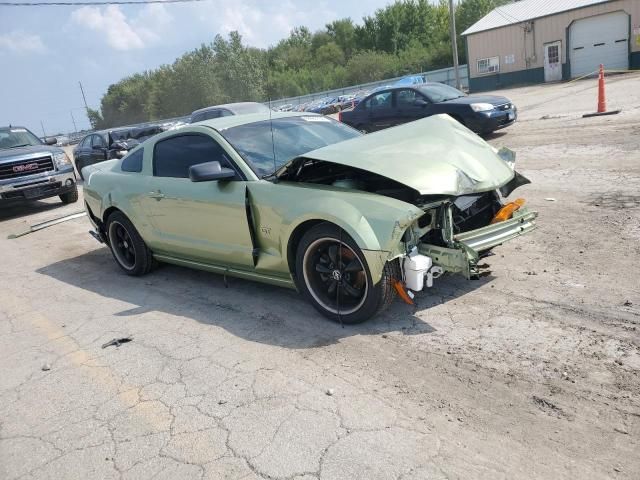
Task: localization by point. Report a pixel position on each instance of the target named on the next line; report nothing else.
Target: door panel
(98, 152)
(408, 111)
(204, 221)
(381, 111)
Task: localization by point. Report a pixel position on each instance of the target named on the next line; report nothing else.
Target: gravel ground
(531, 372)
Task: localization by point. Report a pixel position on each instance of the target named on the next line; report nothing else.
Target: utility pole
(43, 132)
(86, 107)
(75, 129)
(454, 42)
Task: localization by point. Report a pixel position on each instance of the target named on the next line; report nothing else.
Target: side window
(173, 157)
(225, 113)
(197, 117)
(406, 98)
(211, 114)
(86, 142)
(133, 161)
(379, 101)
(97, 141)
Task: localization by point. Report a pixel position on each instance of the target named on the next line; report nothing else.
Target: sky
(46, 51)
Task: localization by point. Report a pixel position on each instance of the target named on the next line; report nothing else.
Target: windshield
(292, 137)
(440, 92)
(17, 137)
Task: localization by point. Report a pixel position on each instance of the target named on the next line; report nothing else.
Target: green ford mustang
(306, 202)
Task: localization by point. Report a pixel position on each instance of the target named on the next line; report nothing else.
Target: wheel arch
(294, 239)
(109, 211)
(363, 235)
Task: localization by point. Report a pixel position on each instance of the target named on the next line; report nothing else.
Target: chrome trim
(40, 179)
(28, 156)
(523, 221)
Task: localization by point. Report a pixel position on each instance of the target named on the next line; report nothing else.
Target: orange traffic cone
(602, 100)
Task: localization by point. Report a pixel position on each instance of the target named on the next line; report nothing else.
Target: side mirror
(419, 102)
(209, 171)
(50, 140)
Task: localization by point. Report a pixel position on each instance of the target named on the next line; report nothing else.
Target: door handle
(157, 195)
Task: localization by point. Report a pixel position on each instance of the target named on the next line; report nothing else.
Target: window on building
(488, 65)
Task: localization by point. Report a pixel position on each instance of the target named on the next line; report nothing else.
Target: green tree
(407, 36)
(95, 119)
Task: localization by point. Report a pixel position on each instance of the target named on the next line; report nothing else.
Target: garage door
(600, 39)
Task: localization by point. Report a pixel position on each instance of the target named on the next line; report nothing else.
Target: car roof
(223, 123)
(417, 86)
(11, 127)
(233, 107)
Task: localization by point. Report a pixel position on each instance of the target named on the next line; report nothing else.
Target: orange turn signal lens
(506, 212)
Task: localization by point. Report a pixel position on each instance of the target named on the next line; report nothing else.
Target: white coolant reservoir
(415, 270)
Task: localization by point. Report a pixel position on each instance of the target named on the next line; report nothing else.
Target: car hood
(10, 154)
(435, 156)
(468, 100)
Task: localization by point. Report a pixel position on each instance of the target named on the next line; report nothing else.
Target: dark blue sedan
(396, 105)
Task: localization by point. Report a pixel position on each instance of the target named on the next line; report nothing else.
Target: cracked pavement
(529, 373)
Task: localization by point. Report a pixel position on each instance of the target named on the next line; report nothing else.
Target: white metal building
(534, 41)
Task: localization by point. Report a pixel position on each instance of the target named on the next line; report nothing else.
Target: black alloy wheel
(335, 276)
(122, 246)
(128, 249)
(332, 273)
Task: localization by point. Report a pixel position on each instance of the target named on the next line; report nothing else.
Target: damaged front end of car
(457, 180)
(456, 234)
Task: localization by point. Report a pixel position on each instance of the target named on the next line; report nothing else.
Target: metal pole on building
(454, 42)
(43, 132)
(75, 128)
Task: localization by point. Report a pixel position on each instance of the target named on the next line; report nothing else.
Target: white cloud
(120, 32)
(21, 42)
(262, 23)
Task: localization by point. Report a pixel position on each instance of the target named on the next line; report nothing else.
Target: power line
(80, 4)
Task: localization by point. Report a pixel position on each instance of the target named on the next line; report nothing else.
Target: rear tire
(70, 197)
(333, 275)
(127, 247)
(362, 128)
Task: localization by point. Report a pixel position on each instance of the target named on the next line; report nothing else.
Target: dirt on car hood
(435, 156)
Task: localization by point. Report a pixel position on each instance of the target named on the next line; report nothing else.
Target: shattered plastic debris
(550, 199)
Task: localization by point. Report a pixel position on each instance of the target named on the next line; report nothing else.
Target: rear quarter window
(133, 161)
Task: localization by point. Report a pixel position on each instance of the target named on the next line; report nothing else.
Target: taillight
(340, 116)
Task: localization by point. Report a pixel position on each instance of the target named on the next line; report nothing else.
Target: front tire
(332, 273)
(70, 197)
(127, 247)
